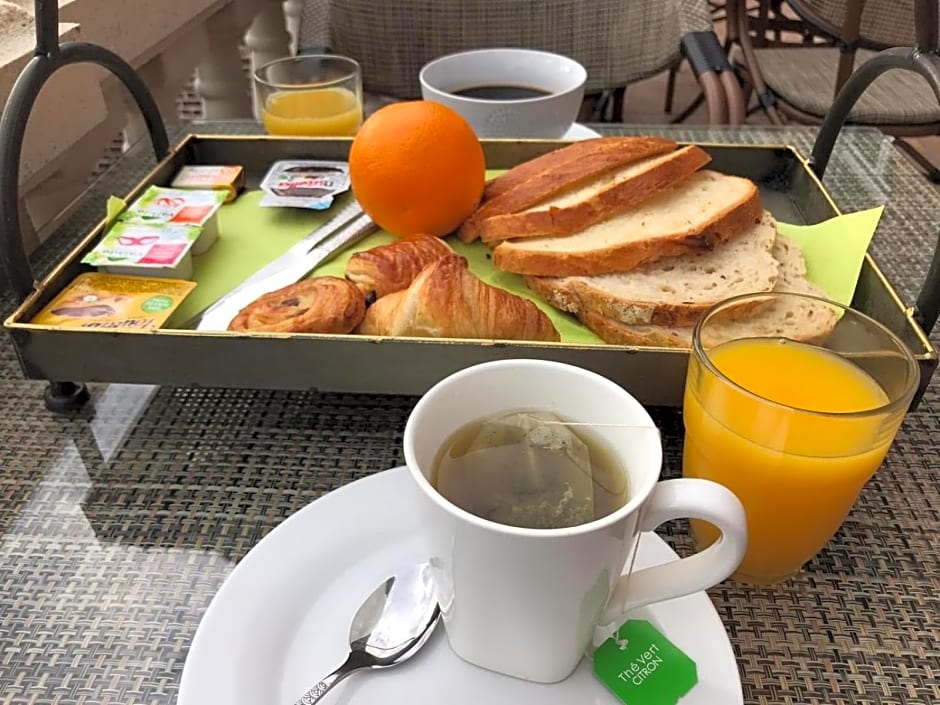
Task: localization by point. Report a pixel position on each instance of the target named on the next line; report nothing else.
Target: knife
(350, 225)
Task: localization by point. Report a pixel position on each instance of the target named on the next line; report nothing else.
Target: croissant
(447, 301)
(393, 267)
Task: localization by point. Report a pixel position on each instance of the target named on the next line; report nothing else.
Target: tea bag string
(591, 424)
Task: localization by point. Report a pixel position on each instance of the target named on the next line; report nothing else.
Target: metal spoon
(389, 628)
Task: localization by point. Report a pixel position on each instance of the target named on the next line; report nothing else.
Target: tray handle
(922, 59)
(48, 57)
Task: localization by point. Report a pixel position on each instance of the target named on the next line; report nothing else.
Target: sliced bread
(797, 319)
(700, 212)
(674, 291)
(600, 199)
(534, 181)
(582, 149)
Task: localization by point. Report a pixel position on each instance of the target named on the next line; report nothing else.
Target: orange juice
(790, 448)
(324, 112)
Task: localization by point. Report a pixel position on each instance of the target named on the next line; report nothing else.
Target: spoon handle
(320, 689)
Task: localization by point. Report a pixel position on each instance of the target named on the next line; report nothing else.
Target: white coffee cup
(546, 117)
(529, 602)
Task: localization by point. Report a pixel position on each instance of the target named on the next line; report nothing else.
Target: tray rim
(13, 322)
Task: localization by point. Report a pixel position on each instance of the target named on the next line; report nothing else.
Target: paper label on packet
(109, 302)
(139, 245)
(308, 183)
(168, 206)
(642, 667)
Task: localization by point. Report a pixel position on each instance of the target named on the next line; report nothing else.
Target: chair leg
(931, 171)
(688, 110)
(617, 103)
(671, 86)
(737, 106)
(590, 108)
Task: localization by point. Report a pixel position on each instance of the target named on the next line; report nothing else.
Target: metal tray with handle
(789, 189)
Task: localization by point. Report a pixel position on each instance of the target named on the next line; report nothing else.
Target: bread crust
(574, 299)
(649, 305)
(624, 256)
(533, 181)
(812, 323)
(616, 333)
(557, 222)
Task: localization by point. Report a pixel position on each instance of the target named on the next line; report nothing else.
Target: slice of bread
(534, 181)
(674, 291)
(698, 213)
(599, 199)
(577, 151)
(797, 319)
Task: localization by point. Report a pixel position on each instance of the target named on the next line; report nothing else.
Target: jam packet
(183, 207)
(201, 177)
(311, 184)
(154, 249)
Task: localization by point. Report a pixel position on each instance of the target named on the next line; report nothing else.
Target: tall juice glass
(794, 429)
(314, 95)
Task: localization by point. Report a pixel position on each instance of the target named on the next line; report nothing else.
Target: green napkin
(114, 209)
(835, 249)
(252, 236)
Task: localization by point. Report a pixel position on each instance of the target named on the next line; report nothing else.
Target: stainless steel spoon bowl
(389, 628)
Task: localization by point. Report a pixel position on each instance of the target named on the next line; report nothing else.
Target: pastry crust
(389, 268)
(319, 305)
(447, 301)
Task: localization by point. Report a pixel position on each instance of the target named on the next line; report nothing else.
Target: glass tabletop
(118, 525)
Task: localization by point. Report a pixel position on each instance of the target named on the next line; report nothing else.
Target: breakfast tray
(789, 189)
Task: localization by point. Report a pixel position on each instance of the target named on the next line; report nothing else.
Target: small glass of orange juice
(312, 95)
(794, 429)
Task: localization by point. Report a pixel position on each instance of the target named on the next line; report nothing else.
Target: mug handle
(686, 498)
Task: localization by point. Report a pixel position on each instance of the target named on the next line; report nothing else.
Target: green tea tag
(642, 667)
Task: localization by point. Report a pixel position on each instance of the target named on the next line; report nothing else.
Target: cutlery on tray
(348, 226)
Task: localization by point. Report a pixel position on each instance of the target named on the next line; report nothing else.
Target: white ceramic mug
(546, 117)
(526, 602)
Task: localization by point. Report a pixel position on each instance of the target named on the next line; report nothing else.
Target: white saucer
(280, 621)
(579, 132)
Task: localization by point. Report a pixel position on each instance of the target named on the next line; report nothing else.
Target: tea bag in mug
(523, 468)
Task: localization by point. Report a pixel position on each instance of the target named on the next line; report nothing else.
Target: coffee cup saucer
(279, 622)
(577, 131)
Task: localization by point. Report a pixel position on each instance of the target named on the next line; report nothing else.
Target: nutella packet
(307, 183)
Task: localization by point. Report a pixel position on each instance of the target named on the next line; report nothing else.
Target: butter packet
(305, 183)
(106, 301)
(156, 249)
(228, 179)
(195, 208)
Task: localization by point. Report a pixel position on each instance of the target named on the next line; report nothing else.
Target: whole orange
(417, 167)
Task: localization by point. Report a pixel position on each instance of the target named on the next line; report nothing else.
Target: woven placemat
(117, 526)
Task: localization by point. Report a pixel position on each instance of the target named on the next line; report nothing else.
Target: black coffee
(501, 92)
(530, 469)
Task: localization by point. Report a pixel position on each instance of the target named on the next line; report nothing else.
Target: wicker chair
(618, 42)
(799, 83)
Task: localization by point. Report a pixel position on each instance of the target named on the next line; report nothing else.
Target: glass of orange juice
(794, 429)
(314, 95)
